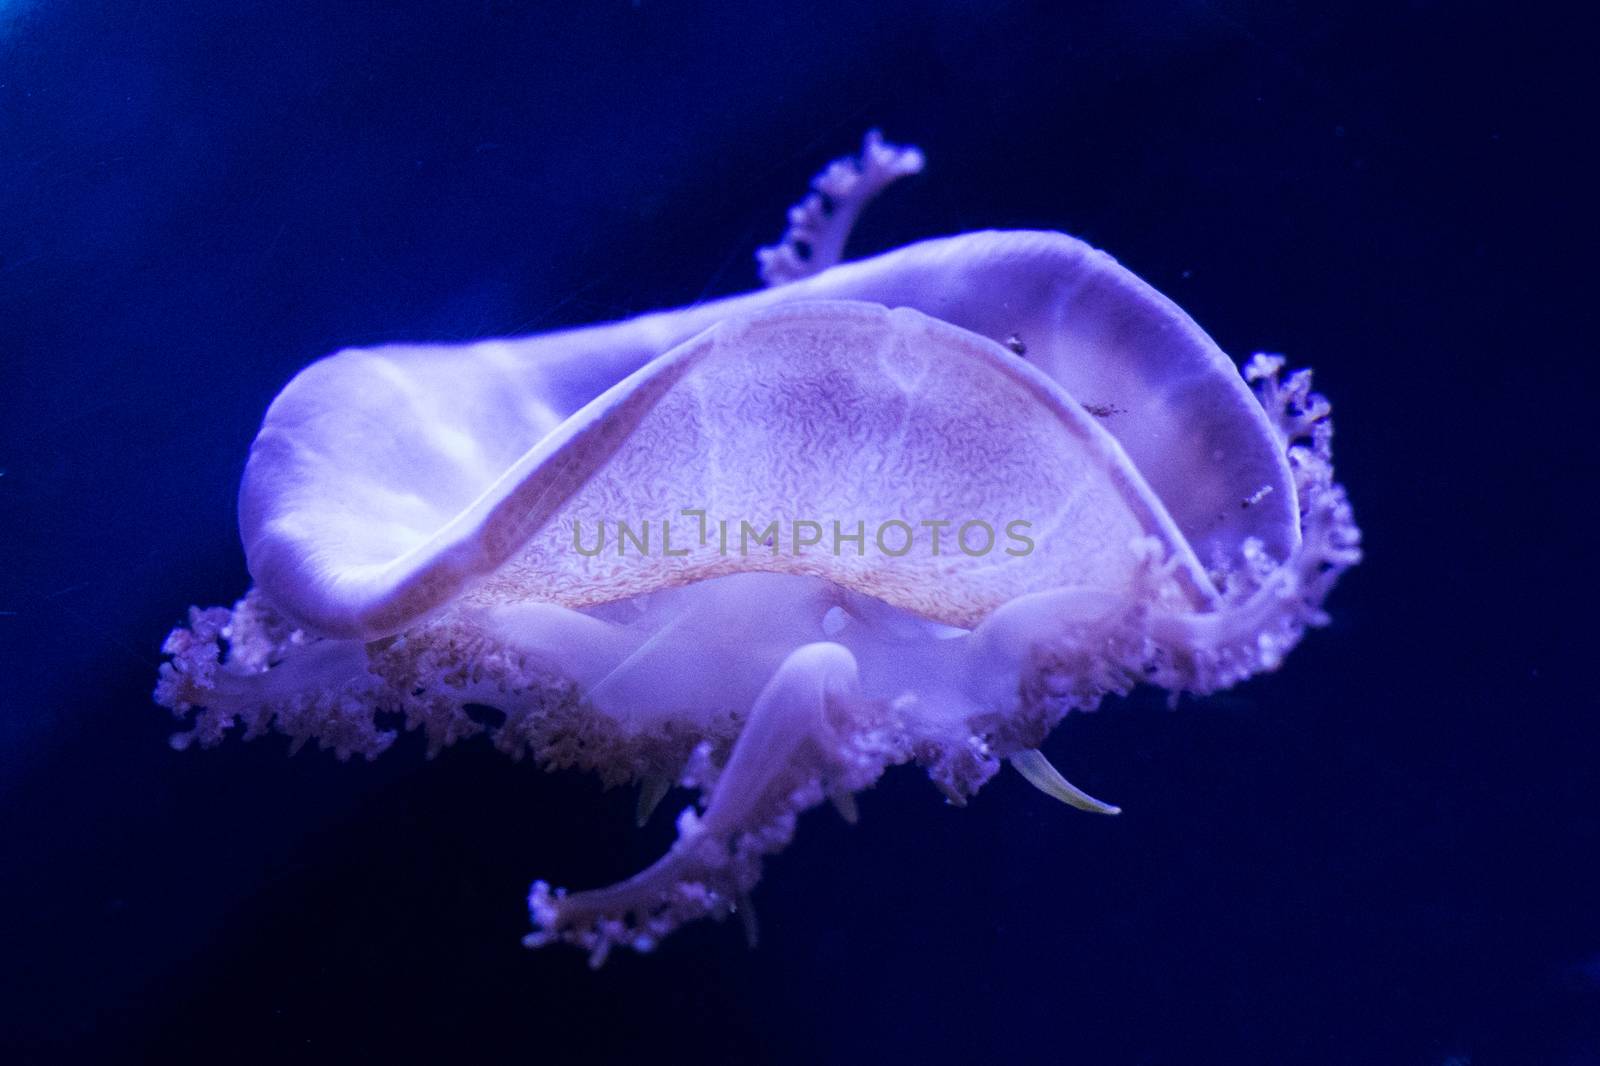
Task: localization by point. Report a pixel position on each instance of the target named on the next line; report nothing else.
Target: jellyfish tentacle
(806, 738)
(1038, 772)
(820, 224)
(652, 790)
(1270, 602)
(249, 668)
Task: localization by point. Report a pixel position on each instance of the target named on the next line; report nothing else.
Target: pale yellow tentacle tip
(1032, 765)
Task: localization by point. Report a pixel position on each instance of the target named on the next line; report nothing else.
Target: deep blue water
(1384, 853)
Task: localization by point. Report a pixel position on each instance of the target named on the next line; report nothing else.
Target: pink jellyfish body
(910, 509)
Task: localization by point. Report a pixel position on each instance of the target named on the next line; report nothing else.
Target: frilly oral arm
(249, 667)
(820, 224)
(1272, 602)
(809, 735)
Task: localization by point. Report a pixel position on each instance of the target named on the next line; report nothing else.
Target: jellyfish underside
(415, 519)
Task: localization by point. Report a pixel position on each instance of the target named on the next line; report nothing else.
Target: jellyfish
(909, 509)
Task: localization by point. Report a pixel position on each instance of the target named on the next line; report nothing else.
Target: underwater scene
(795, 534)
